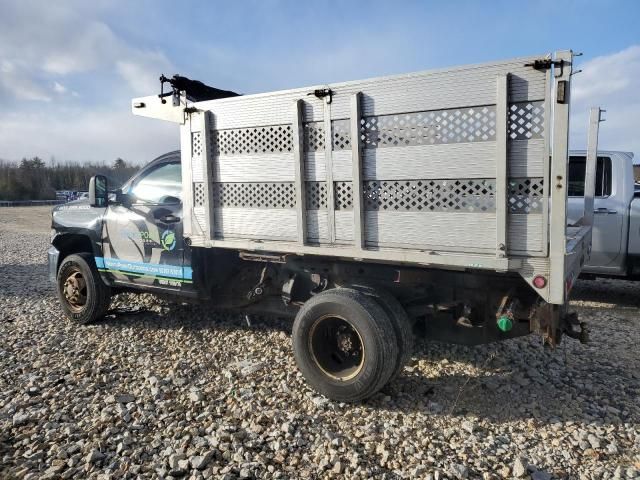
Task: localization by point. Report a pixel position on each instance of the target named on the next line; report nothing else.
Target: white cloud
(611, 82)
(89, 46)
(94, 135)
(45, 48)
(142, 71)
(16, 82)
(59, 88)
(61, 39)
(49, 49)
(6, 67)
(308, 63)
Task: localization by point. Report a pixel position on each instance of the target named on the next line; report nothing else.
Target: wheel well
(72, 243)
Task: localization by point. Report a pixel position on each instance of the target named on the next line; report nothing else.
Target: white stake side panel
(428, 146)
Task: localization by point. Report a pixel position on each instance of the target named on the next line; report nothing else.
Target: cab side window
(160, 186)
(577, 169)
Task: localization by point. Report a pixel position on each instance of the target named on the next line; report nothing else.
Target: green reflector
(504, 323)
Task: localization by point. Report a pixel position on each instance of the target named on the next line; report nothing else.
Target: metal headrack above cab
(183, 90)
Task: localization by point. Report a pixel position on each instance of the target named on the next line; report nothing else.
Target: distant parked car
(65, 195)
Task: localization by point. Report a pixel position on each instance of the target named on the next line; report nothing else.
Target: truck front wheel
(83, 295)
(345, 344)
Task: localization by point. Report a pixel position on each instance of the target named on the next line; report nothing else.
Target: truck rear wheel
(345, 344)
(401, 324)
(400, 320)
(83, 295)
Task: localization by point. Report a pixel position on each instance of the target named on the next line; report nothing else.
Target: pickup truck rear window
(577, 167)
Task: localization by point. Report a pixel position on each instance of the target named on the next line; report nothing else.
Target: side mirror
(98, 191)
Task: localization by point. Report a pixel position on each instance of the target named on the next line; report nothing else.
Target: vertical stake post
(207, 166)
(186, 155)
(357, 177)
(502, 125)
(558, 184)
(328, 158)
(592, 159)
(298, 160)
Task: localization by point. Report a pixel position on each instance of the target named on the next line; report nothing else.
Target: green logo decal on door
(168, 240)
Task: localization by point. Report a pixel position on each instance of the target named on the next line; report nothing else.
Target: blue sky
(68, 69)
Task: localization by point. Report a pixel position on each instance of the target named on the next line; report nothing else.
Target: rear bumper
(53, 255)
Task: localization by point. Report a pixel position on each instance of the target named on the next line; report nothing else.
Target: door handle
(605, 211)
(170, 219)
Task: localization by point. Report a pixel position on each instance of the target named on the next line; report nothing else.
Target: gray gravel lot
(182, 392)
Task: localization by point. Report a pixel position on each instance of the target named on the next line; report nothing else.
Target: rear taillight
(539, 281)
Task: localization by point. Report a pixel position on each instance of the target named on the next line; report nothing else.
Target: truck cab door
(609, 214)
(142, 236)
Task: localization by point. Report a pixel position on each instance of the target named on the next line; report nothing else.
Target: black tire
(401, 323)
(85, 298)
(315, 353)
(403, 327)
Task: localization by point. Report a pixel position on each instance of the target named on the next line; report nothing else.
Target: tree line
(33, 179)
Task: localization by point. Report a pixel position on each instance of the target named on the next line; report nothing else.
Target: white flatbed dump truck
(433, 200)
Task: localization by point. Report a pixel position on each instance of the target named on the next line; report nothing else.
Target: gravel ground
(180, 392)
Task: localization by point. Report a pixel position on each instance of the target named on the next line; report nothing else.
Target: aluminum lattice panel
(526, 120)
(525, 195)
(198, 195)
(473, 195)
(314, 140)
(316, 195)
(343, 195)
(254, 140)
(197, 170)
(254, 195)
(196, 142)
(341, 134)
(313, 136)
(434, 127)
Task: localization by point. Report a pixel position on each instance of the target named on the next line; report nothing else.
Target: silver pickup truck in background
(616, 208)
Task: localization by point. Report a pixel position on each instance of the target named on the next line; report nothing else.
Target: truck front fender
(68, 243)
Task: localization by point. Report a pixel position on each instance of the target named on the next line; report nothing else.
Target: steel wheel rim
(336, 347)
(74, 290)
